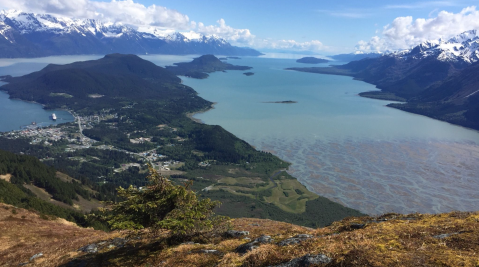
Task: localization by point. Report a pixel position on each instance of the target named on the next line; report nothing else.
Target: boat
(54, 117)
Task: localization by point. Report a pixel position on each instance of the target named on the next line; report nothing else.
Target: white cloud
(313, 45)
(404, 32)
(191, 35)
(242, 36)
(123, 11)
(155, 19)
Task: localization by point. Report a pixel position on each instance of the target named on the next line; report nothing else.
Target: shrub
(162, 205)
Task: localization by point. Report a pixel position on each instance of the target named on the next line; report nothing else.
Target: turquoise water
(350, 149)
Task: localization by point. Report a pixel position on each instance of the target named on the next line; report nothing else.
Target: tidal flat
(386, 176)
(350, 149)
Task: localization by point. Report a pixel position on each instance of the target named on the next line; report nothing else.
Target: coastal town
(70, 137)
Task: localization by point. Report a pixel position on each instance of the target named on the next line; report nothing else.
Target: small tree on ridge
(162, 205)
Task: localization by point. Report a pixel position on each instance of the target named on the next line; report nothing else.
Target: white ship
(54, 117)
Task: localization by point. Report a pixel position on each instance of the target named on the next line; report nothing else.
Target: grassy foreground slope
(450, 239)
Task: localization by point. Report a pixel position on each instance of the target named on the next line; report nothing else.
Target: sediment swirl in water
(385, 176)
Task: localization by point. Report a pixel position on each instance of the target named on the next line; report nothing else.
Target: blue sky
(334, 23)
(325, 27)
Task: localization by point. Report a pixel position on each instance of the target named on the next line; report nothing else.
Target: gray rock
(357, 226)
(264, 239)
(442, 236)
(92, 248)
(118, 242)
(207, 251)
(234, 233)
(38, 255)
(295, 240)
(306, 260)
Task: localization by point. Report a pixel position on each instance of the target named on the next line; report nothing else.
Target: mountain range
(460, 49)
(36, 35)
(437, 78)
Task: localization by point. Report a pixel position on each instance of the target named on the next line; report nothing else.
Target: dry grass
(24, 234)
(390, 240)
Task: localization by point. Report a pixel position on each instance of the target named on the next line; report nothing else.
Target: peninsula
(201, 66)
(312, 60)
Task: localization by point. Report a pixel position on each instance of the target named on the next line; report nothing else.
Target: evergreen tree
(162, 205)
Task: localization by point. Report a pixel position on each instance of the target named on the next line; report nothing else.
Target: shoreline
(385, 99)
(191, 114)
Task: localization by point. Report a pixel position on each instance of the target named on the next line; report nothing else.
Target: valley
(121, 132)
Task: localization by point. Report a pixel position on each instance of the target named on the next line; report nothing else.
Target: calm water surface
(350, 149)
(16, 114)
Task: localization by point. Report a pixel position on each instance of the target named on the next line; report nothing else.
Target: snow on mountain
(28, 23)
(176, 37)
(462, 48)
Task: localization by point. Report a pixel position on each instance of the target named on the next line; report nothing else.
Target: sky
(323, 27)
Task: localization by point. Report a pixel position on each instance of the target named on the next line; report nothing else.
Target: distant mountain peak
(31, 34)
(462, 48)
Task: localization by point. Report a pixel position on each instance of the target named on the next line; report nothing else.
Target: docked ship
(54, 117)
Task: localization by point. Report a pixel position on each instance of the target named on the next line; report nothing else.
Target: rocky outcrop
(306, 260)
(295, 240)
(264, 239)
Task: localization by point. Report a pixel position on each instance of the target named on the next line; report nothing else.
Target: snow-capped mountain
(462, 48)
(30, 35)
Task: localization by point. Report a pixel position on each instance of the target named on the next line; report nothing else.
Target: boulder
(242, 249)
(295, 240)
(118, 242)
(234, 233)
(357, 226)
(38, 255)
(442, 236)
(306, 260)
(92, 248)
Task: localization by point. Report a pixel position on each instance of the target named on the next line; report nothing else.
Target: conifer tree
(162, 205)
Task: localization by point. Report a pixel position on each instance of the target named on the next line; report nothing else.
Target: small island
(282, 102)
(312, 60)
(201, 66)
(234, 57)
(223, 58)
(248, 73)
